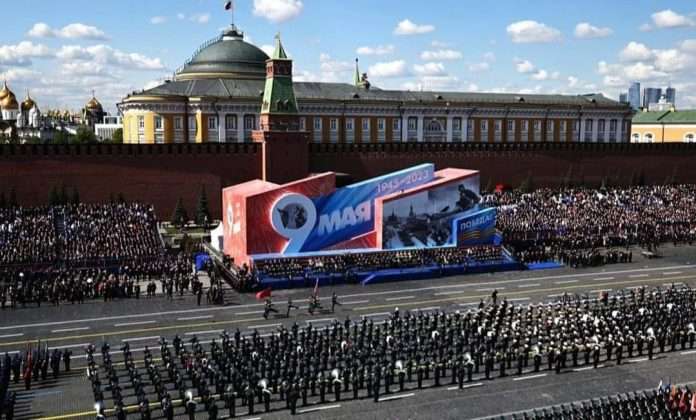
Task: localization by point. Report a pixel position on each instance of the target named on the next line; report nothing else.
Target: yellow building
(664, 127)
(216, 97)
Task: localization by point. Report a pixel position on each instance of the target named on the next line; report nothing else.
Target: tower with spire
(360, 80)
(284, 145)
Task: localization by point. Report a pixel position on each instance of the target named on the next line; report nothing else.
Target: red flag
(265, 293)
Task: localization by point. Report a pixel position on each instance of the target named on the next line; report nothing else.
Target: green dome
(226, 57)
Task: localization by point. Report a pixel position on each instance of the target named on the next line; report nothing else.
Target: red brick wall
(157, 174)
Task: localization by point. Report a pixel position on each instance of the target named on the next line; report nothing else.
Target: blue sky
(62, 51)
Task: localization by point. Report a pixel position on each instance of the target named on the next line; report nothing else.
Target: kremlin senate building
(217, 96)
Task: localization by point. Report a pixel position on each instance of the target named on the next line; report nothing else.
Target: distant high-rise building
(651, 96)
(634, 95)
(671, 95)
(623, 98)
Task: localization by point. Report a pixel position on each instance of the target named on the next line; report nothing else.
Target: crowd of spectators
(380, 260)
(572, 224)
(27, 235)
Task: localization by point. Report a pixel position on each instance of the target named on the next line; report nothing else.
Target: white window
(511, 125)
(457, 124)
(212, 123)
(250, 122)
(564, 125)
(192, 123)
(576, 125)
(303, 124)
(648, 138)
(380, 124)
(365, 124)
(141, 123)
(396, 124)
(317, 123)
(525, 125)
(158, 124)
(588, 125)
(333, 124)
(689, 138)
(484, 125)
(537, 125)
(549, 126)
(613, 124)
(178, 123)
(601, 124)
(469, 125)
(635, 138)
(413, 123)
(159, 138)
(498, 126)
(349, 124)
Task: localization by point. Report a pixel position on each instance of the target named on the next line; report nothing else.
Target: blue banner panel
(476, 228)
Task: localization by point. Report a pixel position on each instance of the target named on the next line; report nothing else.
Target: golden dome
(9, 102)
(5, 91)
(66, 114)
(94, 104)
(28, 103)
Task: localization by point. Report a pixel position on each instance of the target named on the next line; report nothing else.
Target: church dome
(4, 91)
(94, 105)
(227, 56)
(28, 103)
(9, 102)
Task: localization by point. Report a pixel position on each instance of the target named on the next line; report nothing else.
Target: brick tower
(284, 145)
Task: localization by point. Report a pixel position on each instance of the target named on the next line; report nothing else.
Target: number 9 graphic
(294, 217)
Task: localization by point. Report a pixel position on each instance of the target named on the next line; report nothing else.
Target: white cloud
(71, 31)
(673, 60)
(524, 66)
(646, 27)
(489, 56)
(104, 54)
(21, 54)
(439, 44)
(573, 81)
(20, 74)
(158, 20)
(479, 67)
(671, 19)
(429, 69)
(406, 27)
(688, 45)
(442, 54)
(433, 83)
(635, 51)
(277, 11)
(377, 50)
(530, 31)
(585, 30)
(472, 87)
(388, 69)
(541, 74)
(201, 18)
(180, 16)
(268, 49)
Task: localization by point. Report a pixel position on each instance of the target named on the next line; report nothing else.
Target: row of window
(649, 138)
(250, 123)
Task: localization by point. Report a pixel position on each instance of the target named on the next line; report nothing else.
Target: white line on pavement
(684, 353)
(69, 330)
(519, 299)
(132, 324)
(193, 318)
(153, 337)
(452, 388)
(603, 278)
(635, 276)
(12, 335)
(490, 289)
(524, 378)
(565, 281)
(69, 346)
(399, 298)
(355, 302)
(671, 273)
(555, 295)
(430, 308)
(247, 313)
(396, 397)
(522, 286)
(600, 290)
(642, 359)
(326, 407)
(318, 321)
(256, 327)
(376, 314)
(204, 332)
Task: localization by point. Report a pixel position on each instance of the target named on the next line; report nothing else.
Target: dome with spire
(4, 91)
(227, 56)
(28, 103)
(9, 101)
(94, 104)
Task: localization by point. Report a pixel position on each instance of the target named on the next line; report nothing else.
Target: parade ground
(142, 322)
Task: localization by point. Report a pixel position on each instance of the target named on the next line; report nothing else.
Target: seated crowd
(27, 235)
(573, 223)
(381, 260)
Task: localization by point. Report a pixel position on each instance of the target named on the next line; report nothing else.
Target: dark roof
(225, 88)
(665, 117)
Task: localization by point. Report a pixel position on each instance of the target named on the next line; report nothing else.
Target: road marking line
(132, 324)
(600, 290)
(635, 276)
(603, 278)
(684, 353)
(69, 330)
(452, 388)
(489, 289)
(524, 378)
(69, 346)
(204, 332)
(555, 295)
(355, 302)
(317, 321)
(428, 309)
(193, 318)
(642, 359)
(672, 273)
(247, 313)
(11, 335)
(152, 337)
(519, 299)
(567, 281)
(399, 298)
(396, 397)
(522, 286)
(256, 327)
(376, 314)
(326, 407)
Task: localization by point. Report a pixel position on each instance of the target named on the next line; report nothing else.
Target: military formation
(664, 403)
(298, 367)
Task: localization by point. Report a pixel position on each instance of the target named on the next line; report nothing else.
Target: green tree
(85, 135)
(202, 209)
(12, 202)
(179, 217)
(61, 137)
(118, 136)
(75, 198)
